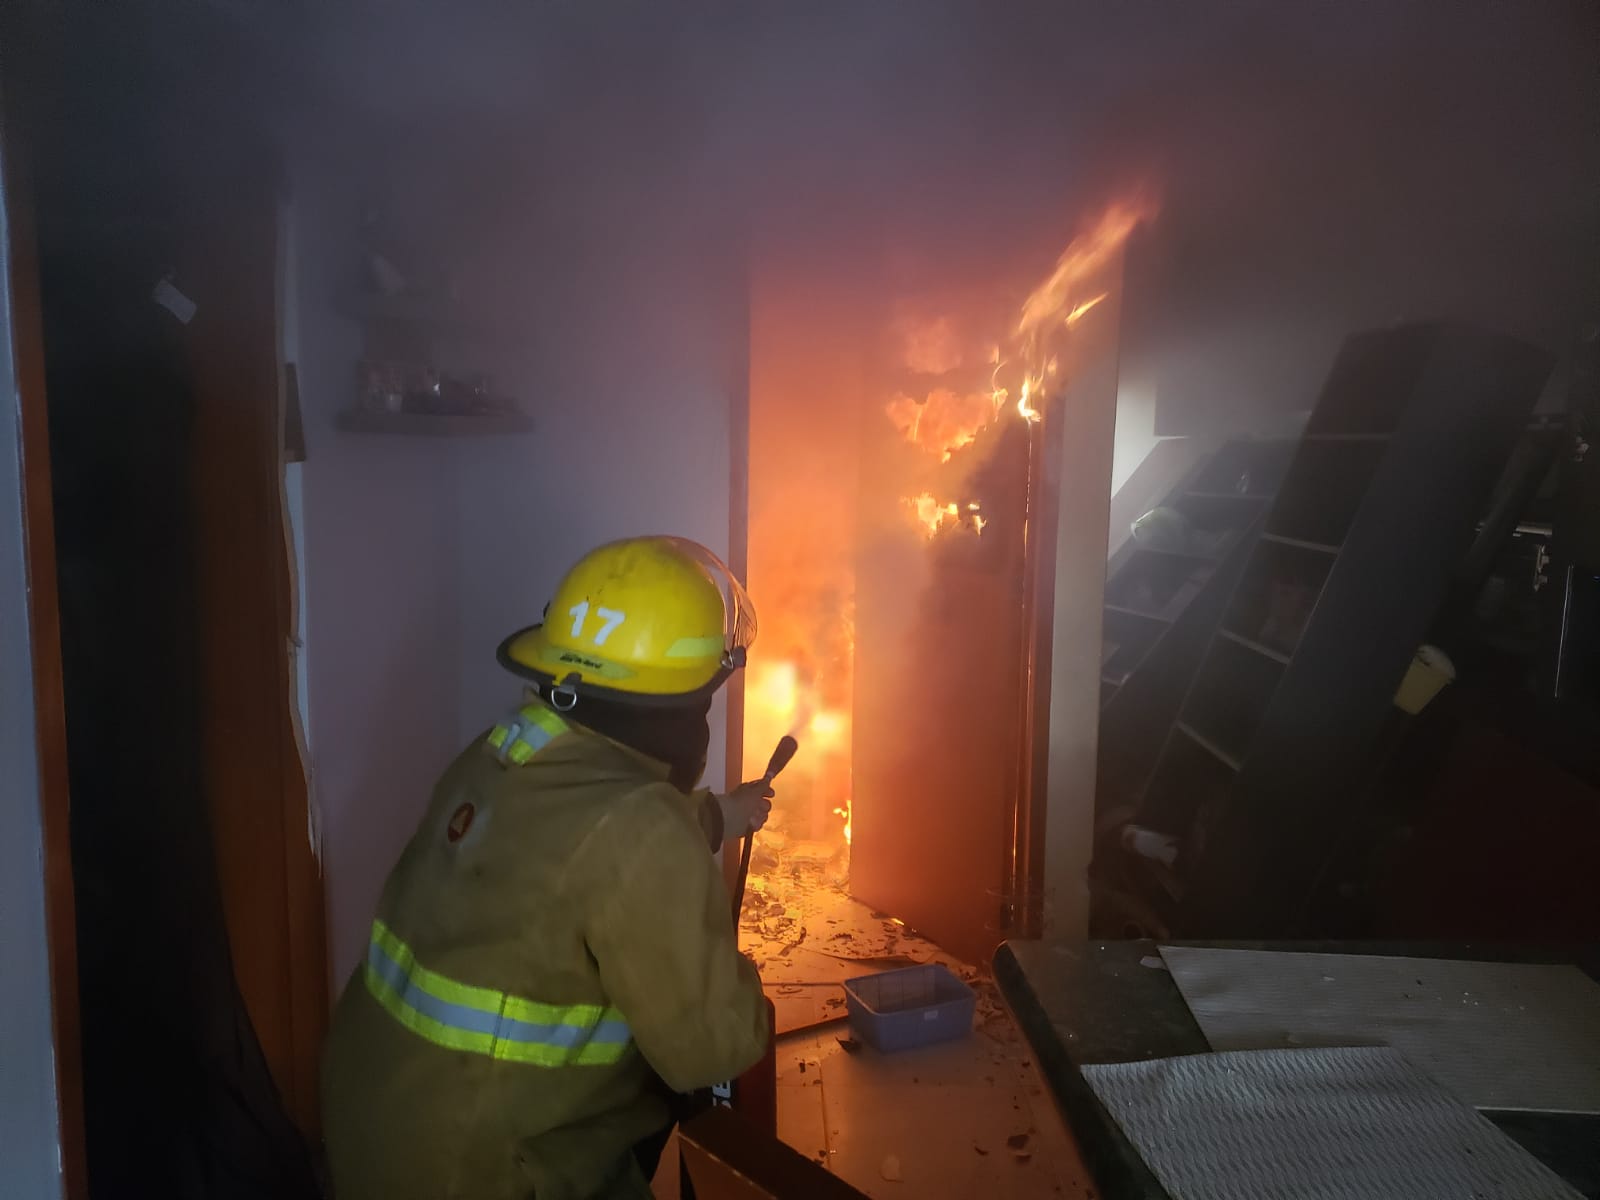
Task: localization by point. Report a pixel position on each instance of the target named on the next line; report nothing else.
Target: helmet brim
(528, 654)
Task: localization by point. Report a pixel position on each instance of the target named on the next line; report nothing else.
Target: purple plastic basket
(910, 1006)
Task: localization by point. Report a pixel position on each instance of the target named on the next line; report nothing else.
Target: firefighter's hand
(746, 808)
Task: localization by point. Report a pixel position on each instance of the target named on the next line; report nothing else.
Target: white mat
(1347, 1124)
(1496, 1035)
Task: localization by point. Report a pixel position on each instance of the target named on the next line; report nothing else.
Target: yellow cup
(1427, 676)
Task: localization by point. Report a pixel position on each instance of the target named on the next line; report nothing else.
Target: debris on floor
(964, 1118)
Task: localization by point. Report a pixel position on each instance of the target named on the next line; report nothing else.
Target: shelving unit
(1272, 738)
(1222, 501)
(1163, 601)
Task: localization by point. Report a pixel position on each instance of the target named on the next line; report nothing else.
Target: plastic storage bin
(911, 1006)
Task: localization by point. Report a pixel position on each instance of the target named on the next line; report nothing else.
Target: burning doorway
(902, 523)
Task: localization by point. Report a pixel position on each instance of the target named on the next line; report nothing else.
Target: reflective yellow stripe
(480, 1020)
(530, 731)
(697, 647)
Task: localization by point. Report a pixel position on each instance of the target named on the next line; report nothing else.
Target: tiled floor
(968, 1118)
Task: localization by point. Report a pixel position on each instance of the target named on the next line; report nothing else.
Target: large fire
(954, 385)
(943, 421)
(946, 420)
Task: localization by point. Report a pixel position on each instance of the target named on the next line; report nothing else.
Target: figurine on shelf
(383, 386)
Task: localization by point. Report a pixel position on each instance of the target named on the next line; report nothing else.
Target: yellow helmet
(651, 619)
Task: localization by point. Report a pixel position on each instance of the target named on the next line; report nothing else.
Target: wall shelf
(434, 424)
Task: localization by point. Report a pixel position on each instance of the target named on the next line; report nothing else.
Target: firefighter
(553, 958)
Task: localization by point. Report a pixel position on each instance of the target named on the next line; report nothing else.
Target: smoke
(1372, 142)
(600, 175)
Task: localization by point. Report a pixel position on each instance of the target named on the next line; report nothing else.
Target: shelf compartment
(1205, 743)
(1158, 585)
(1188, 777)
(1245, 468)
(1125, 640)
(1323, 491)
(1216, 523)
(1275, 597)
(1254, 647)
(1230, 695)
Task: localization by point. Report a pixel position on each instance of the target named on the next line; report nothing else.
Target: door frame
(41, 620)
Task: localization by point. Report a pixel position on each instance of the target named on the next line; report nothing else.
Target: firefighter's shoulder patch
(460, 822)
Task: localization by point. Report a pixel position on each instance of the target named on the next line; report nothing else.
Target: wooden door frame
(258, 800)
(44, 628)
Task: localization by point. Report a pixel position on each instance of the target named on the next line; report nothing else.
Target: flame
(998, 393)
(946, 421)
(943, 421)
(1084, 255)
(826, 728)
(933, 515)
(775, 687)
(1077, 315)
(929, 513)
(1024, 409)
(1055, 305)
(956, 387)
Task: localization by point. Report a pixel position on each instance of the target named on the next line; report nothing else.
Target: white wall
(380, 590)
(1136, 430)
(632, 398)
(618, 329)
(30, 1153)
